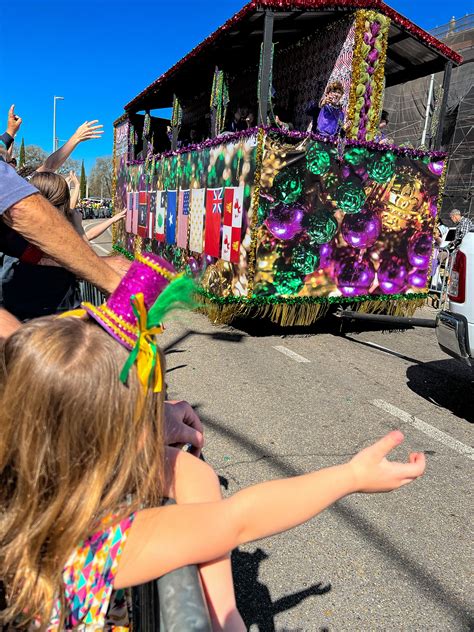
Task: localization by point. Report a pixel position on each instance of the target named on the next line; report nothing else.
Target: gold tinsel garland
(358, 64)
(255, 204)
(378, 76)
(114, 187)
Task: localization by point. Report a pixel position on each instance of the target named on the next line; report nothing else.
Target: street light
(55, 140)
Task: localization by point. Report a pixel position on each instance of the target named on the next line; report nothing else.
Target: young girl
(328, 118)
(83, 470)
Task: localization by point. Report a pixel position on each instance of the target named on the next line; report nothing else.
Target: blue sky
(98, 54)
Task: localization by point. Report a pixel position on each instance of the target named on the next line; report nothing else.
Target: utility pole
(55, 140)
(427, 114)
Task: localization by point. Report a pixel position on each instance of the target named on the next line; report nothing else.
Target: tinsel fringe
(301, 314)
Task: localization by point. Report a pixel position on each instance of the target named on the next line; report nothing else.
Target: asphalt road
(103, 244)
(398, 561)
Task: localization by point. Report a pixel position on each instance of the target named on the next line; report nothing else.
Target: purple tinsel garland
(236, 136)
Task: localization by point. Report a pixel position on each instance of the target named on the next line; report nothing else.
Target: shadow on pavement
(423, 579)
(254, 601)
(445, 383)
(261, 328)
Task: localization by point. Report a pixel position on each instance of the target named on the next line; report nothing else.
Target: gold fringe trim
(302, 315)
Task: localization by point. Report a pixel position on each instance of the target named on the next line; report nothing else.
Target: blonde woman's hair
(77, 446)
(54, 188)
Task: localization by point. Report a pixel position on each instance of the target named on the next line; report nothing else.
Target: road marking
(431, 431)
(291, 354)
(107, 252)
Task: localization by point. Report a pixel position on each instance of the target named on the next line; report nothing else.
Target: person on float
(328, 115)
(381, 135)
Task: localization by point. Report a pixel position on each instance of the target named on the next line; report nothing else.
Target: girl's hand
(119, 216)
(374, 473)
(87, 131)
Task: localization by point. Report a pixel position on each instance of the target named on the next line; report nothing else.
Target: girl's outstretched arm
(167, 538)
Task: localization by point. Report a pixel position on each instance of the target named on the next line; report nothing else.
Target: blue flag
(171, 218)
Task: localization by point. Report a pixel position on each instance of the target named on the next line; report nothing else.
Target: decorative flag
(183, 214)
(171, 217)
(212, 235)
(160, 215)
(129, 215)
(151, 214)
(231, 232)
(135, 213)
(198, 210)
(142, 213)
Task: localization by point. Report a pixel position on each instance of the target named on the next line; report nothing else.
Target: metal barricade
(90, 294)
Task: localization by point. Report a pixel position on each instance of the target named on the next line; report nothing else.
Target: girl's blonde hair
(54, 188)
(77, 446)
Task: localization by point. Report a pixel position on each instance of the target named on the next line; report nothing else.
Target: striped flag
(160, 215)
(135, 213)
(196, 228)
(142, 213)
(129, 215)
(171, 218)
(183, 215)
(212, 235)
(232, 229)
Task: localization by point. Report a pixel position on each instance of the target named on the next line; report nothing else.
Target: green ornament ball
(381, 168)
(349, 197)
(304, 260)
(287, 281)
(288, 185)
(321, 228)
(356, 155)
(318, 160)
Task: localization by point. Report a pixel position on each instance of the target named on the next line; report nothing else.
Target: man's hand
(182, 425)
(14, 122)
(87, 131)
(118, 263)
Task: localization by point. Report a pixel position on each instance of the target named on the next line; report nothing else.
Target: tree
(69, 165)
(34, 155)
(22, 159)
(100, 178)
(83, 182)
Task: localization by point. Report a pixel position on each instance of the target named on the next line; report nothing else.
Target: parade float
(285, 223)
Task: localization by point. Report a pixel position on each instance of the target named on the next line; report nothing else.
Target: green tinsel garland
(306, 300)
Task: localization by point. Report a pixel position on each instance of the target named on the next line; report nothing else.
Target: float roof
(412, 52)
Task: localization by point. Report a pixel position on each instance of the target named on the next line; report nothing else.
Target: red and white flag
(232, 229)
(212, 234)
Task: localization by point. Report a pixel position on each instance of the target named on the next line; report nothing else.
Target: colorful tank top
(88, 579)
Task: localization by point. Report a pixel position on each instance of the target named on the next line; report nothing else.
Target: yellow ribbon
(145, 353)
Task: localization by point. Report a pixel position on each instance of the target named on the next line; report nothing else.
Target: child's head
(334, 92)
(77, 444)
(54, 188)
(383, 119)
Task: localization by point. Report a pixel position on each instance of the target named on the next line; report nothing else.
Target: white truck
(455, 321)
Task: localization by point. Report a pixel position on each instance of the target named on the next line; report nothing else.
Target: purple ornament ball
(418, 278)
(354, 277)
(193, 265)
(419, 250)
(392, 275)
(284, 222)
(361, 230)
(436, 168)
(325, 256)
